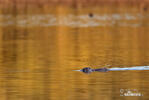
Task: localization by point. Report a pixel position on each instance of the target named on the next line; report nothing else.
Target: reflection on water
(131, 20)
(36, 63)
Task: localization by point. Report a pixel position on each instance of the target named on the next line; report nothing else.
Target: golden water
(39, 48)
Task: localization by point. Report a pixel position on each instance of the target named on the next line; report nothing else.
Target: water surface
(39, 48)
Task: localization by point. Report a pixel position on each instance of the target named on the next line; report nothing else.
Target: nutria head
(87, 70)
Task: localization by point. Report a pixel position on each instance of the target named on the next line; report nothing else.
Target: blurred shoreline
(72, 3)
(45, 6)
(74, 13)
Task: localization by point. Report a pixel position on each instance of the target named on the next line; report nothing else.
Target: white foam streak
(130, 68)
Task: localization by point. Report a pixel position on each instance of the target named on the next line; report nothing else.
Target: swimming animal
(89, 70)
